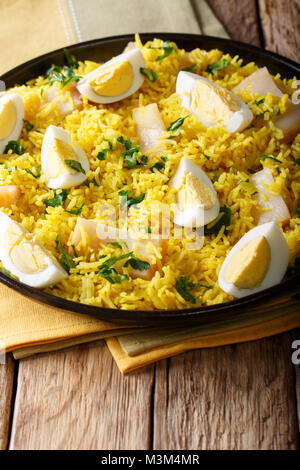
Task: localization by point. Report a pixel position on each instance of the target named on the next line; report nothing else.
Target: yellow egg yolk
(248, 267)
(113, 80)
(8, 117)
(211, 104)
(59, 151)
(27, 256)
(194, 193)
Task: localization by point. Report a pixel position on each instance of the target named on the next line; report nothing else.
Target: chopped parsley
(75, 165)
(184, 286)
(89, 181)
(28, 125)
(76, 210)
(145, 229)
(57, 200)
(218, 65)
(297, 161)
(167, 49)
(190, 68)
(5, 271)
(37, 171)
(223, 219)
(159, 165)
(258, 102)
(265, 157)
(108, 272)
(116, 244)
(131, 154)
(205, 155)
(298, 210)
(175, 126)
(66, 261)
(130, 201)
(149, 74)
(102, 155)
(70, 59)
(15, 147)
(137, 263)
(64, 75)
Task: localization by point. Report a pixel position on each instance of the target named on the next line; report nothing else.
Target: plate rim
(156, 317)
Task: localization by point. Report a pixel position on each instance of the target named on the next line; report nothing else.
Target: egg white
(194, 217)
(19, 106)
(278, 260)
(240, 119)
(50, 275)
(65, 180)
(136, 60)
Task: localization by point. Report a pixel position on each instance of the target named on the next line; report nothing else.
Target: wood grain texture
(77, 399)
(295, 336)
(280, 21)
(239, 19)
(6, 388)
(234, 397)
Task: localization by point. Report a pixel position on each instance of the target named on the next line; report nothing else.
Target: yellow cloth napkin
(253, 332)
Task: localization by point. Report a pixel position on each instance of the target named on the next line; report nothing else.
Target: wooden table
(244, 396)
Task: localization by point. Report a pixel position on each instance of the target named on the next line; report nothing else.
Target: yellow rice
(231, 155)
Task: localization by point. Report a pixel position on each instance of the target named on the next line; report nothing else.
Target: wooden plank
(239, 19)
(295, 336)
(280, 21)
(77, 399)
(235, 397)
(6, 388)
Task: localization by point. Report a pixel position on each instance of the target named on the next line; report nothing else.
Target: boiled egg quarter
(212, 104)
(25, 258)
(56, 154)
(196, 199)
(114, 80)
(258, 261)
(11, 118)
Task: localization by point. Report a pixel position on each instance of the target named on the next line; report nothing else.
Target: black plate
(101, 50)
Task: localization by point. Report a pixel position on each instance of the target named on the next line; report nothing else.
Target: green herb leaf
(158, 165)
(89, 181)
(116, 244)
(258, 102)
(74, 251)
(70, 59)
(297, 161)
(223, 219)
(298, 210)
(66, 261)
(184, 286)
(5, 271)
(137, 264)
(57, 200)
(131, 155)
(64, 75)
(175, 126)
(167, 48)
(37, 171)
(218, 65)
(164, 159)
(101, 155)
(28, 125)
(75, 165)
(205, 155)
(265, 157)
(130, 201)
(112, 276)
(190, 68)
(76, 210)
(15, 147)
(149, 74)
